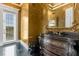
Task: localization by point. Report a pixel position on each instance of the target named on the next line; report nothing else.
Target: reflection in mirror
(61, 17)
(51, 23)
(69, 17)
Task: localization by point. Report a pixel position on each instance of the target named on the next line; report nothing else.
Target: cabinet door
(10, 50)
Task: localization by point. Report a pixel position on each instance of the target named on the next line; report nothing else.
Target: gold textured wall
(24, 22)
(37, 20)
(76, 17)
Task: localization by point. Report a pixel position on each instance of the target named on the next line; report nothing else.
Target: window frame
(9, 9)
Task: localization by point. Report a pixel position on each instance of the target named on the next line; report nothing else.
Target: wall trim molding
(5, 7)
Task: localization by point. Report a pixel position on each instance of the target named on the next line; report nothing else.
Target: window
(10, 25)
(69, 17)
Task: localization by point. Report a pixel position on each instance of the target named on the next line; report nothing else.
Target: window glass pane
(9, 33)
(9, 19)
(69, 17)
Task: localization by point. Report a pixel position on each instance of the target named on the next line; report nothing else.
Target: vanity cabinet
(64, 44)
